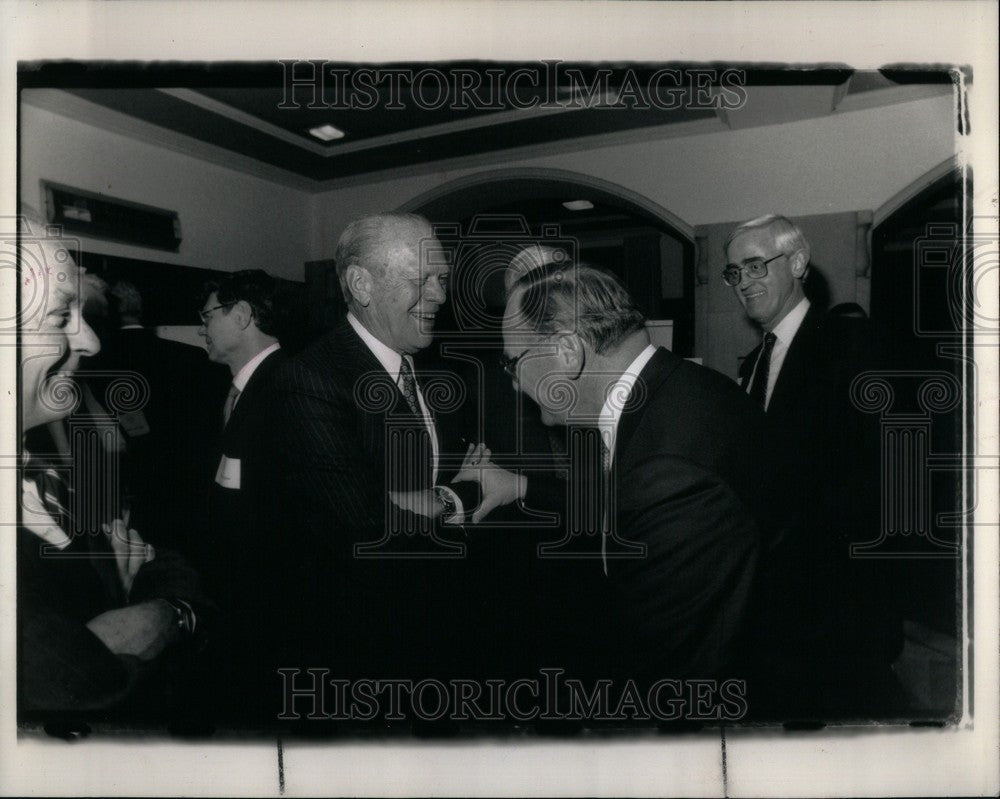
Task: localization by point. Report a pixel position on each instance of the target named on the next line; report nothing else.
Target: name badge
(228, 474)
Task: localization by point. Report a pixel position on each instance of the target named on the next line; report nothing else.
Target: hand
(423, 503)
(130, 551)
(499, 486)
(142, 630)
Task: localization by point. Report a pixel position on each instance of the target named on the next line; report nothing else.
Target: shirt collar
(243, 375)
(617, 398)
(389, 358)
(786, 329)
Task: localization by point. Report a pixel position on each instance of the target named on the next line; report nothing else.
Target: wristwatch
(444, 496)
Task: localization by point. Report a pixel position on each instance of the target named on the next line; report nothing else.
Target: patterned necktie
(409, 386)
(231, 398)
(758, 389)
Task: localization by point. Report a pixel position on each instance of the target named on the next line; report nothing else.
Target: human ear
(569, 351)
(799, 264)
(359, 283)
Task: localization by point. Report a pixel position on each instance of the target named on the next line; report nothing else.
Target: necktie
(758, 389)
(231, 398)
(421, 461)
(409, 386)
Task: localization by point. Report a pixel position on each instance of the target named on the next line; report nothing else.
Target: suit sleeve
(684, 602)
(324, 484)
(62, 665)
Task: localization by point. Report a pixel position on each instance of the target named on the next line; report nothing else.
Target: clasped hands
(145, 629)
(499, 487)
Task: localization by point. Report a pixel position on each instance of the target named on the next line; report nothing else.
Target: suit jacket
(844, 617)
(368, 585)
(62, 666)
(686, 489)
(231, 546)
(164, 468)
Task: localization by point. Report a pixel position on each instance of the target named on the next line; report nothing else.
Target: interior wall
(229, 220)
(842, 162)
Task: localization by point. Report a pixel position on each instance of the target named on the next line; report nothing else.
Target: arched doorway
(494, 212)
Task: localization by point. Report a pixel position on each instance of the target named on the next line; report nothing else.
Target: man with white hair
(832, 627)
(94, 609)
(356, 427)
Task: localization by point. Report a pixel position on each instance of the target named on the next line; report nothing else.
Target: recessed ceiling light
(578, 205)
(327, 132)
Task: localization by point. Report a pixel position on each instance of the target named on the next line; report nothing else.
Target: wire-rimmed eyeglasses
(754, 267)
(510, 364)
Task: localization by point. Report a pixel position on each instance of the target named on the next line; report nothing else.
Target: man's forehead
(753, 241)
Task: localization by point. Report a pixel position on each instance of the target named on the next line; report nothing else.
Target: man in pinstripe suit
(370, 583)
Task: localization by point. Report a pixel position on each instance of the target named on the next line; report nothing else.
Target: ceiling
(401, 117)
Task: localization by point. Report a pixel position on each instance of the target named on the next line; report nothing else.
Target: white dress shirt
(391, 360)
(784, 332)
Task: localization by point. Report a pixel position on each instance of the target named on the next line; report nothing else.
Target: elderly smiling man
(355, 422)
(678, 452)
(95, 608)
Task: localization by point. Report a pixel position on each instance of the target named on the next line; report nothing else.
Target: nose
(82, 338)
(744, 279)
(202, 331)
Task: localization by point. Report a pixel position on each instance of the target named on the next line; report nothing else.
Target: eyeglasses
(510, 364)
(205, 314)
(754, 267)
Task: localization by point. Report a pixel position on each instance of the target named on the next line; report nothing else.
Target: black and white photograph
(499, 399)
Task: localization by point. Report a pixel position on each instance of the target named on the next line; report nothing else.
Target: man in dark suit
(238, 322)
(164, 460)
(832, 630)
(679, 544)
(98, 614)
(356, 423)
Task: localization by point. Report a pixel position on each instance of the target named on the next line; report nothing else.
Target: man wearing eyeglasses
(831, 615)
(678, 547)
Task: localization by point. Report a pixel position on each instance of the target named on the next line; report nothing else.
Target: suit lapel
(383, 406)
(654, 373)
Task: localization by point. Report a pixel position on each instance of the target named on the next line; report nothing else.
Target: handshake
(499, 487)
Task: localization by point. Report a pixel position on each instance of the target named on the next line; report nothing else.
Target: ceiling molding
(68, 105)
(80, 110)
(414, 134)
(492, 158)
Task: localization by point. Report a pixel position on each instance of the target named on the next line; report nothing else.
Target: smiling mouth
(752, 295)
(426, 317)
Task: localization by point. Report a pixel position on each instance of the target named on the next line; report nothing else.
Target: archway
(646, 245)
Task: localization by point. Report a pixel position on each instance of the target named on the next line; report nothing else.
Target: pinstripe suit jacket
(343, 436)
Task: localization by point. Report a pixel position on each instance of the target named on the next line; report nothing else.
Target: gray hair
(788, 237)
(581, 298)
(365, 241)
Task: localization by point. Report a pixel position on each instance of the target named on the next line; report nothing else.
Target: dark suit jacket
(61, 664)
(686, 490)
(232, 546)
(164, 470)
(368, 586)
(832, 613)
